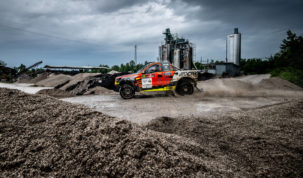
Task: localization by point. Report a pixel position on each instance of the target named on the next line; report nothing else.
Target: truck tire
(127, 91)
(185, 88)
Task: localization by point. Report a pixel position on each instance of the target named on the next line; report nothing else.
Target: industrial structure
(178, 51)
(233, 47)
(10, 74)
(233, 54)
(73, 69)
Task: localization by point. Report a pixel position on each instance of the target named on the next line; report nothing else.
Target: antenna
(135, 54)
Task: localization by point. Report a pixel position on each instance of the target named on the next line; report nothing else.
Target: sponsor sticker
(147, 83)
(167, 73)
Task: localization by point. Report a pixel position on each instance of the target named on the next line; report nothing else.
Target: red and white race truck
(158, 76)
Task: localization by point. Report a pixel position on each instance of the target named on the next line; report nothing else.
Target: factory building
(178, 51)
(227, 69)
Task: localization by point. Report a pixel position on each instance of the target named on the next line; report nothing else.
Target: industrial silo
(233, 47)
(176, 61)
(177, 51)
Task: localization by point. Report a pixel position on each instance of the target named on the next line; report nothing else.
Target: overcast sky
(93, 32)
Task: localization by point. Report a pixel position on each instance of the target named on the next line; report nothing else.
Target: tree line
(286, 64)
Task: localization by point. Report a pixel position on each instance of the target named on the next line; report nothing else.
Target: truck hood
(128, 76)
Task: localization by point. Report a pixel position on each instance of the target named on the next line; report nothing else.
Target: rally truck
(157, 77)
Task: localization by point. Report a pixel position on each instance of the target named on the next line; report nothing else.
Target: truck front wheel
(185, 88)
(127, 91)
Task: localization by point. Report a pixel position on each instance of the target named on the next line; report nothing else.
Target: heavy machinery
(157, 76)
(11, 75)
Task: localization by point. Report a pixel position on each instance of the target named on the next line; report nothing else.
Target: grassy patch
(290, 74)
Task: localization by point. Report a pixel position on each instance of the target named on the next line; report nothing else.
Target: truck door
(167, 73)
(150, 77)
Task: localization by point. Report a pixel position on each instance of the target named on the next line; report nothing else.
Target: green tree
(103, 71)
(199, 65)
(286, 64)
(115, 67)
(21, 68)
(291, 53)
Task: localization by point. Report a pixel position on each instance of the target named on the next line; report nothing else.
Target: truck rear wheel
(185, 88)
(127, 91)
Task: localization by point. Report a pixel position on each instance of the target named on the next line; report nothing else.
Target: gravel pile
(278, 84)
(247, 86)
(263, 142)
(76, 79)
(79, 84)
(54, 81)
(55, 93)
(99, 91)
(43, 136)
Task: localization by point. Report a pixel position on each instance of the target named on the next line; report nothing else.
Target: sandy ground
(254, 79)
(42, 136)
(25, 87)
(219, 96)
(261, 142)
(143, 108)
(247, 127)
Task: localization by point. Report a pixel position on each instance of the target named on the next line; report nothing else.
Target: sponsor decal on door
(147, 83)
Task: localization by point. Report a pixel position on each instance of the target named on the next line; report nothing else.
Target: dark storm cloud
(260, 13)
(113, 5)
(106, 30)
(263, 23)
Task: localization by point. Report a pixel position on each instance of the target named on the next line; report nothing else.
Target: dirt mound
(42, 136)
(277, 84)
(23, 78)
(40, 77)
(247, 86)
(265, 142)
(77, 79)
(55, 93)
(225, 87)
(55, 81)
(254, 79)
(99, 90)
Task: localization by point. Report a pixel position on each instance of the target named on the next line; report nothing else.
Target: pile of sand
(56, 81)
(79, 84)
(23, 78)
(99, 91)
(247, 86)
(40, 77)
(77, 79)
(225, 87)
(55, 93)
(263, 142)
(254, 79)
(42, 136)
(276, 83)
